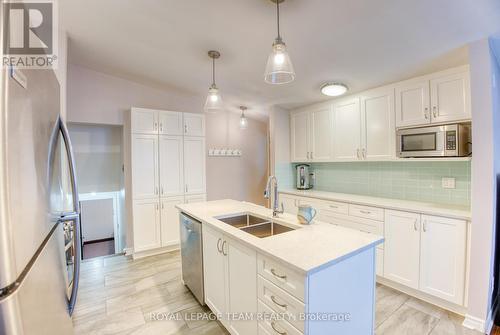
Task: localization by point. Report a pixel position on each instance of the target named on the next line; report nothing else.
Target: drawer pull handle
(277, 303)
(273, 325)
(333, 206)
(277, 275)
(365, 212)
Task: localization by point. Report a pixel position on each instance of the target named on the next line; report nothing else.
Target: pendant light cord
(213, 71)
(278, 17)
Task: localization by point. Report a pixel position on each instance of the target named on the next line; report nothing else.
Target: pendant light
(243, 119)
(279, 68)
(214, 100)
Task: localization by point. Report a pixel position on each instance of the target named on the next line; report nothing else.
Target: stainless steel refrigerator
(39, 214)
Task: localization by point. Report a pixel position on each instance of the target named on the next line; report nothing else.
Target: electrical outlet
(448, 182)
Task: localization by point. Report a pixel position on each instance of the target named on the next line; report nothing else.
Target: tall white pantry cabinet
(164, 167)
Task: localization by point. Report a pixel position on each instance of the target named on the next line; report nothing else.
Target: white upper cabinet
(441, 97)
(299, 136)
(146, 225)
(171, 165)
(412, 103)
(145, 166)
(170, 230)
(170, 123)
(443, 258)
(194, 124)
(194, 165)
(347, 130)
(321, 135)
(378, 133)
(402, 247)
(144, 121)
(450, 97)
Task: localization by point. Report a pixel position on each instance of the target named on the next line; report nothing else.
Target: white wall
(99, 157)
(239, 178)
(98, 98)
(279, 125)
(485, 168)
(95, 97)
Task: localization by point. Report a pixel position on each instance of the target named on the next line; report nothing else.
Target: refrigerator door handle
(74, 216)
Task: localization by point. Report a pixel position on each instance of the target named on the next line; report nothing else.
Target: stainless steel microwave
(453, 140)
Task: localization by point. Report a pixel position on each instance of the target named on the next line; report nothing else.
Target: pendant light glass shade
(279, 68)
(214, 100)
(243, 119)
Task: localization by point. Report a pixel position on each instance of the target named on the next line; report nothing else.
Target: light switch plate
(448, 182)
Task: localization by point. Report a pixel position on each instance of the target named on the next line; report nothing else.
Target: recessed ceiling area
(361, 43)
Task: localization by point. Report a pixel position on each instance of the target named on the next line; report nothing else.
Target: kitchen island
(265, 275)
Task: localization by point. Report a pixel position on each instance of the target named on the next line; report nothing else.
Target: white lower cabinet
(427, 253)
(443, 258)
(169, 218)
(402, 247)
(146, 225)
(423, 252)
(230, 278)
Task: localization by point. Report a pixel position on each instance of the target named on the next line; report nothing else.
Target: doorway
(98, 151)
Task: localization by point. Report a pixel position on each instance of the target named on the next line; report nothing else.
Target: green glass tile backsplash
(420, 181)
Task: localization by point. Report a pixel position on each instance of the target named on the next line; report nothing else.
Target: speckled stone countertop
(306, 249)
(451, 211)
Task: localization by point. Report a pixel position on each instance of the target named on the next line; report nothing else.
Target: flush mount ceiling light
(279, 68)
(334, 89)
(243, 119)
(214, 100)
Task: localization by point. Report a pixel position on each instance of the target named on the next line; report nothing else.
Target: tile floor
(118, 296)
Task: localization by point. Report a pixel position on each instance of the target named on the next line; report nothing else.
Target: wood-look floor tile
(387, 302)
(112, 324)
(451, 324)
(154, 295)
(409, 321)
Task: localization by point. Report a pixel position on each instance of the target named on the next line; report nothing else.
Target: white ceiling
(363, 43)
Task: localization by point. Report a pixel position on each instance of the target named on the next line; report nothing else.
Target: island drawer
(281, 302)
(367, 212)
(274, 325)
(281, 276)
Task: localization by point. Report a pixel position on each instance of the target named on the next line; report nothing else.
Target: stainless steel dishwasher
(192, 256)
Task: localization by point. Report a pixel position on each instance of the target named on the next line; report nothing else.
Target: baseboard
(472, 322)
(99, 240)
(153, 252)
(461, 310)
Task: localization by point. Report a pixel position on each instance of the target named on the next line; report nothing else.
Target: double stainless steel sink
(255, 225)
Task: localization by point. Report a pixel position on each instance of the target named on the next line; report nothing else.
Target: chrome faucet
(274, 201)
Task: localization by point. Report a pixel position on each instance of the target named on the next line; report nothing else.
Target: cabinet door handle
(186, 188)
(357, 153)
(155, 125)
(185, 128)
(223, 249)
(156, 189)
(156, 205)
(277, 275)
(415, 225)
(218, 245)
(273, 299)
(273, 325)
(426, 114)
(434, 111)
(363, 153)
(424, 226)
